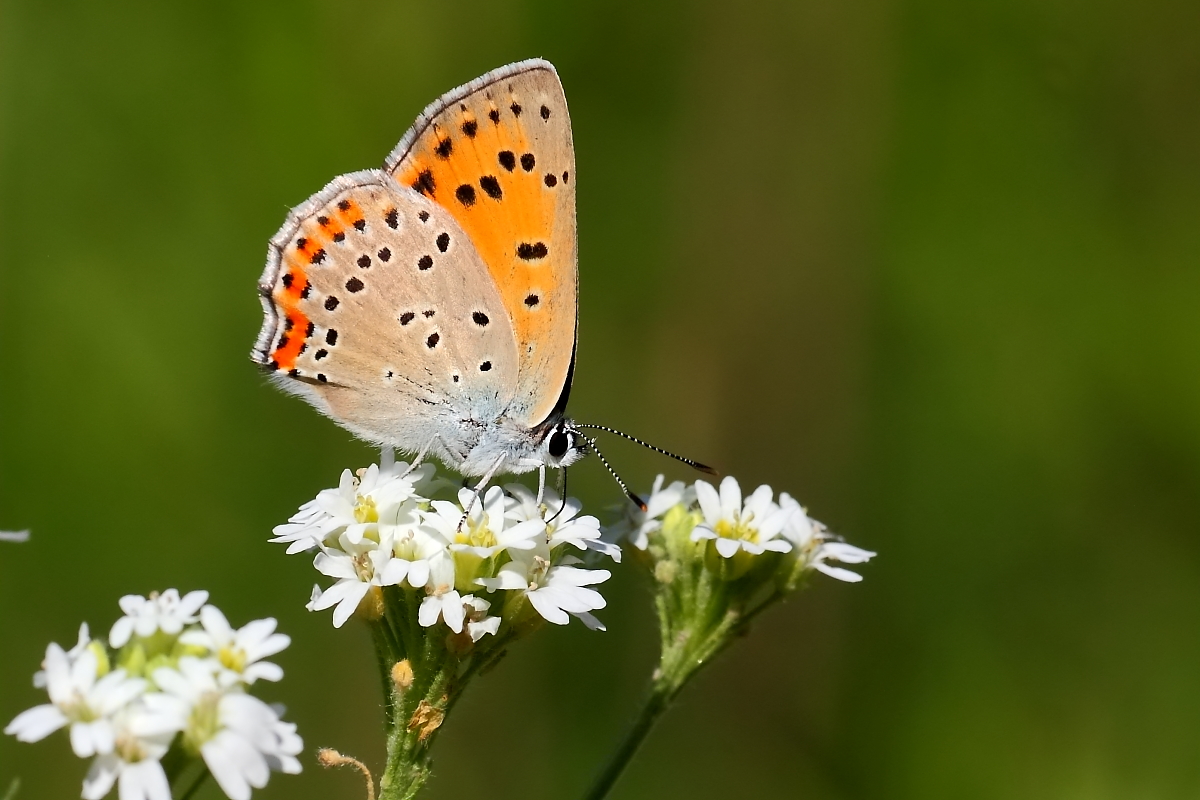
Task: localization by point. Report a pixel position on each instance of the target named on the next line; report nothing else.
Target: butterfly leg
(483, 482)
(541, 483)
(416, 462)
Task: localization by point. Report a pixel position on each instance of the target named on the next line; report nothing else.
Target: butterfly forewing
(380, 312)
(497, 155)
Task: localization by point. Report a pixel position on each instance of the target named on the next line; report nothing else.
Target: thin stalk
(195, 787)
(660, 697)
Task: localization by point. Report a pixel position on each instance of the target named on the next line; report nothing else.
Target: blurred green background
(934, 267)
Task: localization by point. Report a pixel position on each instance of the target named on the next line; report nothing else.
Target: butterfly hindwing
(380, 312)
(497, 156)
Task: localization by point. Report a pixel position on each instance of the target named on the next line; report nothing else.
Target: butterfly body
(431, 306)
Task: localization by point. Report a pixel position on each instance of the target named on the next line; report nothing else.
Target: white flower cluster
(740, 528)
(472, 571)
(177, 675)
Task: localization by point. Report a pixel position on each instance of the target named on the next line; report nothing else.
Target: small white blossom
(363, 505)
(14, 536)
(239, 652)
(79, 697)
(166, 612)
(561, 522)
(555, 591)
(485, 533)
(637, 525)
(240, 737)
(413, 552)
(357, 568)
(479, 624)
(754, 527)
(141, 740)
(442, 602)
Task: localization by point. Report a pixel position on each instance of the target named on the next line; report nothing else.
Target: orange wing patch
(500, 160)
(307, 250)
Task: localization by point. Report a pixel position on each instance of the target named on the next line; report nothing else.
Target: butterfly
(432, 306)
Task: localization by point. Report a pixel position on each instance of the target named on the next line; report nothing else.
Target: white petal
(349, 605)
(101, 776)
(430, 610)
(216, 624)
(335, 594)
(545, 606)
(452, 611)
(839, 573)
(36, 723)
(144, 780)
(82, 742)
(727, 547)
(122, 629)
(731, 498)
(710, 502)
(418, 574)
(262, 670)
(590, 621)
(335, 566)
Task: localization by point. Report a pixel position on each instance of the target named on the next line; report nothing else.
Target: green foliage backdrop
(930, 266)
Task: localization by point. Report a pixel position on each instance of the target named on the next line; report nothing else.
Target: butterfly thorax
(502, 446)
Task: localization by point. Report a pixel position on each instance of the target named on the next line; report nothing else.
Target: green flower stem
(183, 770)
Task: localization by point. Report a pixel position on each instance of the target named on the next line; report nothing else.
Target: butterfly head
(564, 445)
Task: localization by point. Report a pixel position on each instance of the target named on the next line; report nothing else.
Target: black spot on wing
(443, 241)
(424, 183)
(465, 194)
(531, 252)
(491, 187)
(508, 160)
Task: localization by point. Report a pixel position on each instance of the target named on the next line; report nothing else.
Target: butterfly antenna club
(696, 465)
(637, 501)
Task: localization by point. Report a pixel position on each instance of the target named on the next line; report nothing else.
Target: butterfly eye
(559, 444)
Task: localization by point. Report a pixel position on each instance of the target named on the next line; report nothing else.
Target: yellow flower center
(737, 530)
(203, 723)
(365, 511)
(231, 658)
(475, 535)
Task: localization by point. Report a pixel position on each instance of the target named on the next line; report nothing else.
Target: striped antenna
(693, 464)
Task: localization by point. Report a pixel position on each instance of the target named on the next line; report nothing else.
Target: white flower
(485, 533)
(554, 591)
(240, 737)
(754, 527)
(479, 623)
(14, 536)
(637, 525)
(363, 505)
(141, 740)
(413, 551)
(165, 612)
(840, 551)
(810, 537)
(239, 652)
(357, 568)
(79, 697)
(561, 521)
(442, 602)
